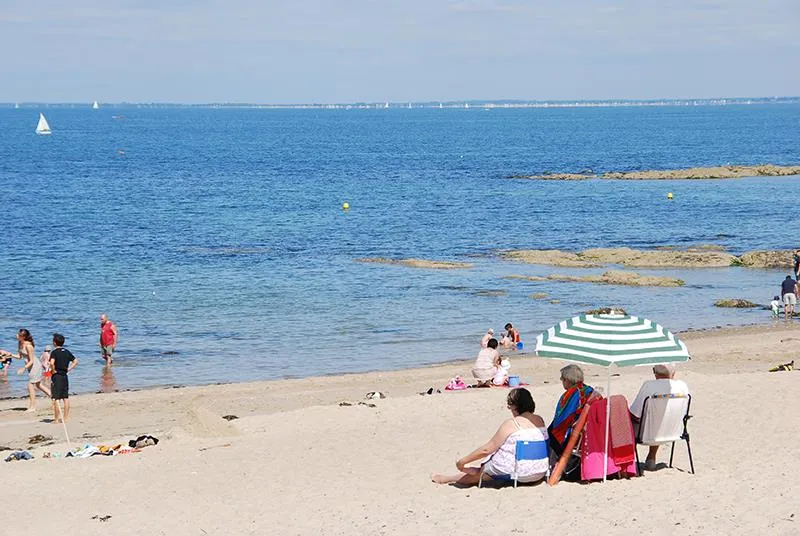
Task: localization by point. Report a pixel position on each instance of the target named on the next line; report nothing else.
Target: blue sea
(216, 240)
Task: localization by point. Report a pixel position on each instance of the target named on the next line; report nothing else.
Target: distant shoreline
(466, 103)
(694, 173)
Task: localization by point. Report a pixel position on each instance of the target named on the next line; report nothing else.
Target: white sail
(16, 106)
(95, 106)
(42, 127)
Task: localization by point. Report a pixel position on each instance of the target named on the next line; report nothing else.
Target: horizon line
(436, 102)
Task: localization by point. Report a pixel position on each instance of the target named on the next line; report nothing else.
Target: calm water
(217, 241)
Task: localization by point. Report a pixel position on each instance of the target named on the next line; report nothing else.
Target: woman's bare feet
(440, 479)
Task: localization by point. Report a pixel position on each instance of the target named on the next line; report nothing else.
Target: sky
(336, 51)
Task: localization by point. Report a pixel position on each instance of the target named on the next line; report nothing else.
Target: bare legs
(32, 394)
(461, 479)
(57, 412)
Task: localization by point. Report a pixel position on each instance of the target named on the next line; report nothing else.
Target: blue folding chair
(527, 450)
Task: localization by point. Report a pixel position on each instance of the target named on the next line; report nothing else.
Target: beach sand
(295, 462)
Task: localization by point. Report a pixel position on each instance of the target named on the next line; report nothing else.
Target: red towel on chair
(622, 443)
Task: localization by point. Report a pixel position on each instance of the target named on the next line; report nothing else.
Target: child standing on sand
(61, 363)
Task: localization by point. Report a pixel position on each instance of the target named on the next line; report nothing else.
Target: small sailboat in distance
(95, 106)
(43, 128)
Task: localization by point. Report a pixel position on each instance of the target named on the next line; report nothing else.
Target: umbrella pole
(608, 422)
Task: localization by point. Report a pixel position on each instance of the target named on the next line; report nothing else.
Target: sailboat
(43, 128)
(95, 106)
(16, 106)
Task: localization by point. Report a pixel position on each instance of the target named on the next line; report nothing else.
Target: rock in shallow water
(610, 277)
(623, 256)
(418, 263)
(735, 303)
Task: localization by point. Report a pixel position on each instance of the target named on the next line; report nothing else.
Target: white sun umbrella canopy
(611, 339)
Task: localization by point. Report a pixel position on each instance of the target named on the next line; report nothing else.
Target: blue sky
(411, 50)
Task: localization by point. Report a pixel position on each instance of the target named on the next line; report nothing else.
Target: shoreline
(353, 464)
(687, 334)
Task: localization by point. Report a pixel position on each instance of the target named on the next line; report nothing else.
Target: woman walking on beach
(27, 351)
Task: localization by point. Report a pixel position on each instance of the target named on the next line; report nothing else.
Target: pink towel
(455, 384)
(621, 454)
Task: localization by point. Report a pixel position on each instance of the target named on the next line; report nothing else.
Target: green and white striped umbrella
(609, 339)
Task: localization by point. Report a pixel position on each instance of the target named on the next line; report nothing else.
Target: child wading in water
(61, 363)
(511, 339)
(775, 305)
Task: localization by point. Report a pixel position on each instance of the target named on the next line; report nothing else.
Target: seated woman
(524, 425)
(569, 407)
(487, 363)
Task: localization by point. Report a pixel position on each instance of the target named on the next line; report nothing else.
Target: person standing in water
(108, 338)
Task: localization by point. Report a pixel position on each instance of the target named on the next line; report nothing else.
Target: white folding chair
(664, 420)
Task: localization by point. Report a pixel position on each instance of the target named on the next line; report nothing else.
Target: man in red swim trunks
(108, 338)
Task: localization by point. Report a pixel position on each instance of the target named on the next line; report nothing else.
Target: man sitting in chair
(663, 384)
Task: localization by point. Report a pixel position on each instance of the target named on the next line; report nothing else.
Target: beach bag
(455, 384)
(572, 472)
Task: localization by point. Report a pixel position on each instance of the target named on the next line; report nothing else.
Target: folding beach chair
(664, 419)
(526, 450)
(573, 441)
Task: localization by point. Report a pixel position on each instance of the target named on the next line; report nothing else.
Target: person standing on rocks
(796, 260)
(789, 295)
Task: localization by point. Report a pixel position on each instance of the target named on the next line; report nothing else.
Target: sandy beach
(296, 462)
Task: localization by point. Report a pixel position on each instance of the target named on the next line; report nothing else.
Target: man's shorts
(789, 299)
(60, 387)
(107, 350)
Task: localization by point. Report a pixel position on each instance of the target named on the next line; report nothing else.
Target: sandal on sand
(650, 465)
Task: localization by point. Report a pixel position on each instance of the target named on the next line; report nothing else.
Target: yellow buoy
(669, 195)
(346, 205)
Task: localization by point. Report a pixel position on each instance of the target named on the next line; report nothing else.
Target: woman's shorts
(60, 387)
